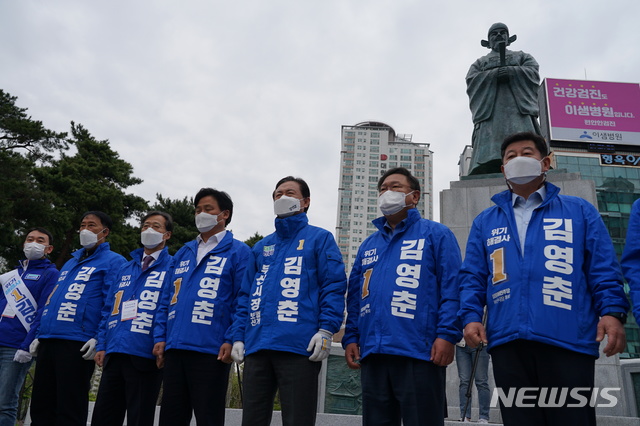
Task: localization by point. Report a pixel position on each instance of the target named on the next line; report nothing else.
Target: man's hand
(352, 355)
(320, 345)
(33, 347)
(22, 356)
(616, 339)
(474, 334)
(442, 352)
(99, 359)
(237, 352)
(89, 349)
(158, 351)
(225, 353)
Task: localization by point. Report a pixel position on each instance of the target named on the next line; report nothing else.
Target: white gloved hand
(22, 356)
(33, 347)
(320, 343)
(237, 352)
(89, 349)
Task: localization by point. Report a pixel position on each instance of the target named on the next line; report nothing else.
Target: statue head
(498, 33)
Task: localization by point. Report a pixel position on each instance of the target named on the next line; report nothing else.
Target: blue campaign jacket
(568, 277)
(199, 301)
(73, 311)
(39, 277)
(133, 336)
(403, 290)
(631, 258)
(294, 285)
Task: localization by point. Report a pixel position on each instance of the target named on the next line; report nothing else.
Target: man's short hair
(105, 220)
(304, 188)
(222, 198)
(414, 184)
(43, 231)
(168, 220)
(539, 142)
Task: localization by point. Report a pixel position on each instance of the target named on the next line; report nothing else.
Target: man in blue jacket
(69, 328)
(25, 291)
(631, 258)
(401, 309)
(291, 303)
(191, 333)
(130, 378)
(544, 265)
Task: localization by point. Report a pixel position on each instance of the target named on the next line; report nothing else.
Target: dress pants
(401, 390)
(524, 363)
(129, 384)
(193, 381)
(293, 374)
(61, 384)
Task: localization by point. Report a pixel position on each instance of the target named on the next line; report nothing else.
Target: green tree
(18, 131)
(95, 178)
(24, 144)
(182, 212)
(253, 239)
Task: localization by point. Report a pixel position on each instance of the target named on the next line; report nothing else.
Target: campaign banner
(593, 111)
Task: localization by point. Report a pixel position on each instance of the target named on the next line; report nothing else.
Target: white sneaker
(483, 421)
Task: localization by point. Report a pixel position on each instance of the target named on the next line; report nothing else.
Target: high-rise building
(368, 150)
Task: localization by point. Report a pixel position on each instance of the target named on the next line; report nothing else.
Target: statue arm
(481, 89)
(524, 80)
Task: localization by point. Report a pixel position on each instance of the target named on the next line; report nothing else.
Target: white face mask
(33, 251)
(391, 202)
(205, 222)
(88, 239)
(286, 206)
(521, 170)
(150, 238)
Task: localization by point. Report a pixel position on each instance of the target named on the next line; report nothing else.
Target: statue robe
(501, 108)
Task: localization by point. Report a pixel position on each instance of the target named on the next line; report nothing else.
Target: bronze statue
(503, 97)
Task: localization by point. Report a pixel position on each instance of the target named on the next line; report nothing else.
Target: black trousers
(61, 384)
(294, 375)
(129, 384)
(193, 381)
(524, 363)
(398, 389)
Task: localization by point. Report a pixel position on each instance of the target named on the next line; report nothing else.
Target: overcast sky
(236, 95)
